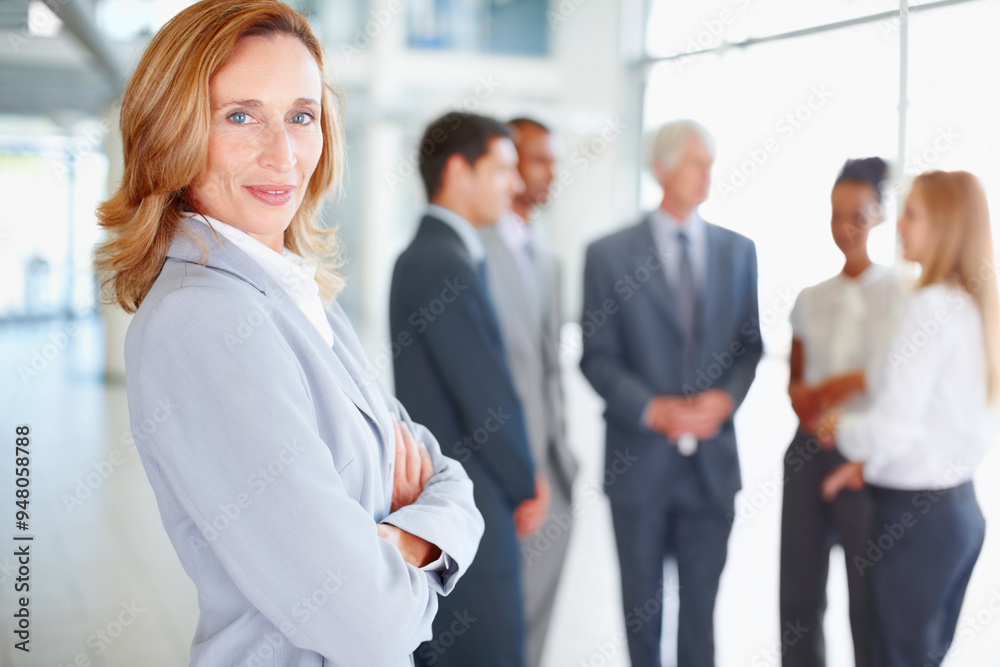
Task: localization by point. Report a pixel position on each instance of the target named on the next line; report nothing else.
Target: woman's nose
(277, 151)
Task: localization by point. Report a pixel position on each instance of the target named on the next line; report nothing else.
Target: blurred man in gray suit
(526, 288)
(671, 343)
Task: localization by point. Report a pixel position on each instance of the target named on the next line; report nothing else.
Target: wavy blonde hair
(962, 250)
(165, 125)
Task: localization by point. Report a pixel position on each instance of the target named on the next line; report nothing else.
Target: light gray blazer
(531, 321)
(271, 456)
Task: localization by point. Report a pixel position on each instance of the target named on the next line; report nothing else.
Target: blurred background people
(455, 373)
(671, 342)
(930, 423)
(526, 286)
(841, 327)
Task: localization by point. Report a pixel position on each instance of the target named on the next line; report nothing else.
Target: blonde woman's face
(915, 228)
(265, 138)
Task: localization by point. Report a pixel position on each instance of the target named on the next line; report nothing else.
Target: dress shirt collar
(466, 232)
(694, 226)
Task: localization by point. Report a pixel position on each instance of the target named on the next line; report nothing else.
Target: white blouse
(295, 274)
(930, 424)
(845, 324)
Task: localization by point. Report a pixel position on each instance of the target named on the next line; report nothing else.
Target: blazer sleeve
(741, 375)
(242, 456)
(624, 392)
(445, 514)
(473, 368)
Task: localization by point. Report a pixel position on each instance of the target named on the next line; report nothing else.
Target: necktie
(686, 298)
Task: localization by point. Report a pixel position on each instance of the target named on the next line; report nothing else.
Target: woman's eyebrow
(253, 104)
(256, 104)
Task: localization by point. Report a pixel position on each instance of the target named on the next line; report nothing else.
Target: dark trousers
(481, 623)
(696, 533)
(810, 526)
(923, 549)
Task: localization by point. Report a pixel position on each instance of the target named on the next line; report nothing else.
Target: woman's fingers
(403, 492)
(426, 466)
(400, 452)
(414, 467)
(846, 476)
(826, 429)
(412, 457)
(834, 484)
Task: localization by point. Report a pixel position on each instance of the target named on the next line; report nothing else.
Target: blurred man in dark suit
(453, 374)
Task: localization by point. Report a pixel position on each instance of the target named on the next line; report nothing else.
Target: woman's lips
(273, 195)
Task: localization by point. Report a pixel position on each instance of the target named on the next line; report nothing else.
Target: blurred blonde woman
(318, 522)
(931, 422)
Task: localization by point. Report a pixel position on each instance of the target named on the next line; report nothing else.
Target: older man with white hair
(671, 342)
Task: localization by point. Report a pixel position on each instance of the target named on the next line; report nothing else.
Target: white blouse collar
(292, 272)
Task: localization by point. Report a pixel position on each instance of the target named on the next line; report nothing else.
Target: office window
(516, 27)
(51, 187)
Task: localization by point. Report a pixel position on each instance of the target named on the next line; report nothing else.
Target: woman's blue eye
(302, 118)
(239, 117)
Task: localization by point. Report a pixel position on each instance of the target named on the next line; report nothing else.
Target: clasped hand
(701, 415)
(413, 469)
(818, 407)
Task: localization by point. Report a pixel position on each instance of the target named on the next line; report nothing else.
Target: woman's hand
(415, 550)
(413, 468)
(839, 390)
(848, 476)
(826, 428)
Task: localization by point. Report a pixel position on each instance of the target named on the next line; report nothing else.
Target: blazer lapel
(718, 274)
(364, 389)
(432, 227)
(225, 256)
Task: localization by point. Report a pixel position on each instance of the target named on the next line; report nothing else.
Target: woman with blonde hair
(316, 528)
(930, 424)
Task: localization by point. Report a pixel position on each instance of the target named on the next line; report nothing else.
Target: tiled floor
(107, 589)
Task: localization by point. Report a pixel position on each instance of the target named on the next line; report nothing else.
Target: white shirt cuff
(438, 570)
